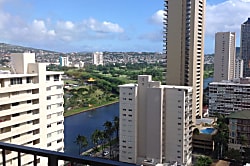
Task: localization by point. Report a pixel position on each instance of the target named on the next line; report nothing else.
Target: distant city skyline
(89, 25)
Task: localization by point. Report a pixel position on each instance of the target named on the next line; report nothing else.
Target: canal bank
(80, 110)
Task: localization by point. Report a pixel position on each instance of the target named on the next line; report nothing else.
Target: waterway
(85, 124)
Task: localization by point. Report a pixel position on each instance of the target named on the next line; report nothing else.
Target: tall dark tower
(245, 47)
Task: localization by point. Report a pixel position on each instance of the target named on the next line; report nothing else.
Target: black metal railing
(54, 157)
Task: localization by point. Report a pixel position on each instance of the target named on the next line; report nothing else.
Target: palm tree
(108, 133)
(82, 142)
(97, 138)
(116, 126)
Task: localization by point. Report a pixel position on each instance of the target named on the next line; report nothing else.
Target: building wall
(224, 59)
(98, 58)
(238, 68)
(156, 116)
(128, 123)
(228, 97)
(239, 128)
(23, 104)
(177, 129)
(184, 46)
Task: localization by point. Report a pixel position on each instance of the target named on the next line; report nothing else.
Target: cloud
(157, 17)
(226, 16)
(104, 27)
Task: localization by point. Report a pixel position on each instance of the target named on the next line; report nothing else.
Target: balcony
(53, 157)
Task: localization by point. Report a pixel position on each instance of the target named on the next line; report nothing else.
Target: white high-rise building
(238, 70)
(224, 58)
(64, 61)
(31, 106)
(97, 58)
(155, 123)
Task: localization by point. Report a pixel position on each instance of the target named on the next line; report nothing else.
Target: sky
(106, 25)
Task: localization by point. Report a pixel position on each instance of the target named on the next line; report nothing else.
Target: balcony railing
(53, 157)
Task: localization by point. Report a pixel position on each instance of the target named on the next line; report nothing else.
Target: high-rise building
(31, 105)
(155, 123)
(64, 61)
(245, 47)
(184, 45)
(97, 58)
(226, 97)
(224, 58)
(238, 69)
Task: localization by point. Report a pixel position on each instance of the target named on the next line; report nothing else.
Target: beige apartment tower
(155, 123)
(31, 106)
(184, 46)
(224, 58)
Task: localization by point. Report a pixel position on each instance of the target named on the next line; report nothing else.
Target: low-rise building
(226, 97)
(239, 129)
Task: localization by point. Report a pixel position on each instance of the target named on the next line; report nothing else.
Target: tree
(116, 126)
(108, 133)
(82, 142)
(97, 138)
(203, 161)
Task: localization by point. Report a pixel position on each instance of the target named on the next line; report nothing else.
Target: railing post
(19, 158)
(52, 161)
(4, 157)
(35, 160)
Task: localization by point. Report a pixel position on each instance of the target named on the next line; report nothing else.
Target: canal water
(85, 123)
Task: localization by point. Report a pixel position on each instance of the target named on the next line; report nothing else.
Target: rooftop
(240, 115)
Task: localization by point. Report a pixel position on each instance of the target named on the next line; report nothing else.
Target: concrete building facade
(64, 61)
(184, 46)
(97, 58)
(227, 97)
(31, 105)
(238, 70)
(245, 47)
(224, 58)
(239, 130)
(155, 123)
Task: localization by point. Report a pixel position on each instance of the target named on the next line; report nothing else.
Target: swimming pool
(208, 130)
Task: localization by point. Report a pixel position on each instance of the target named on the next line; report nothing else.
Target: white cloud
(104, 27)
(226, 16)
(157, 17)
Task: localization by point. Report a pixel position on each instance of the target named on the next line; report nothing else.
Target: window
(59, 113)
(58, 87)
(49, 135)
(59, 131)
(28, 101)
(49, 125)
(56, 77)
(48, 107)
(14, 81)
(15, 104)
(49, 144)
(48, 88)
(58, 123)
(48, 97)
(47, 78)
(28, 80)
(48, 116)
(58, 141)
(15, 115)
(16, 136)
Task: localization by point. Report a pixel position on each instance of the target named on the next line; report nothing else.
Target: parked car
(105, 153)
